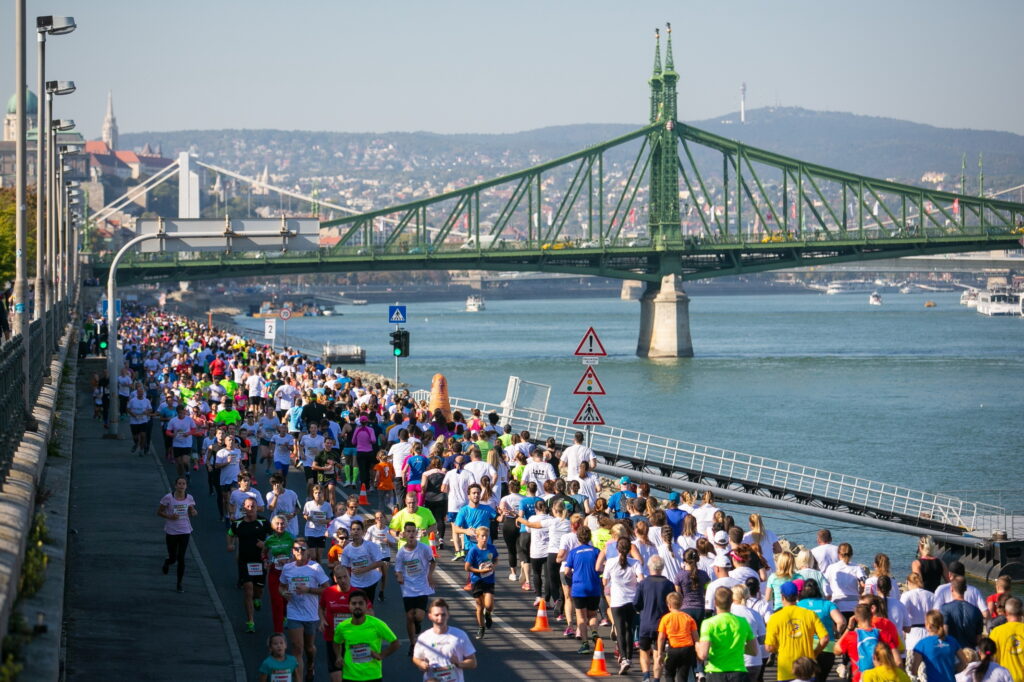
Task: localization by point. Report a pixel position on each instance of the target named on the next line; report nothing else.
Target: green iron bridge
(712, 207)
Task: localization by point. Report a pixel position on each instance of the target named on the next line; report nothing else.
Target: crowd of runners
(685, 588)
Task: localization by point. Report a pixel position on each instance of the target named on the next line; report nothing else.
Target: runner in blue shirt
(616, 502)
(581, 567)
(480, 562)
(472, 516)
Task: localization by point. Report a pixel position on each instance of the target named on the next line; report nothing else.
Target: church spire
(109, 134)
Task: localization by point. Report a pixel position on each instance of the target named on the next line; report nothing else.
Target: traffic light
(400, 343)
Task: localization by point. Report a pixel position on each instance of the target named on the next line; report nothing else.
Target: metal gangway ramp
(669, 463)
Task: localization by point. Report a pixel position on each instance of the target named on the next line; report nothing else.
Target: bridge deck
(814, 488)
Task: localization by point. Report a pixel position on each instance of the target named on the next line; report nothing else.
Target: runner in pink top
(177, 508)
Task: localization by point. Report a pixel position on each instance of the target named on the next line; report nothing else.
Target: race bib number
(361, 653)
(360, 562)
(280, 561)
(254, 568)
(181, 509)
(297, 581)
(487, 568)
(414, 567)
(281, 676)
(319, 516)
(445, 674)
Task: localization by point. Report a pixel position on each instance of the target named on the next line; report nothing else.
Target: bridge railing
(727, 466)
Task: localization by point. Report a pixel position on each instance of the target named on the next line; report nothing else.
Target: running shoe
(593, 635)
(488, 621)
(536, 601)
(560, 617)
(624, 666)
(569, 633)
(257, 604)
(605, 623)
(646, 678)
(584, 648)
(180, 589)
(458, 555)
(250, 627)
(166, 567)
(512, 576)
(526, 587)
(480, 633)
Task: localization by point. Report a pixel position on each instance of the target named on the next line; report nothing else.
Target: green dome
(31, 103)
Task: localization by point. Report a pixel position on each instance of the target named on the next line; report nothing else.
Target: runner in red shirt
(333, 610)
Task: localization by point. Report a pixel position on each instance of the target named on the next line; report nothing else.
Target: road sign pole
(396, 365)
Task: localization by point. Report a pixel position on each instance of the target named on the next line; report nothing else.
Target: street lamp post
(63, 237)
(19, 324)
(53, 26)
(53, 88)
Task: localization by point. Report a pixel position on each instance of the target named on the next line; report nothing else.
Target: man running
(302, 582)
(359, 642)
(363, 560)
(250, 532)
(414, 566)
(443, 652)
(724, 639)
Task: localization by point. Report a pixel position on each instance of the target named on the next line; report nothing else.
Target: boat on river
(999, 302)
(875, 298)
(475, 304)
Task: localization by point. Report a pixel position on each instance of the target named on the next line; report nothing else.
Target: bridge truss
(666, 198)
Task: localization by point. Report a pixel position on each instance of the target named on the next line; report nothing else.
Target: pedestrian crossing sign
(588, 414)
(397, 314)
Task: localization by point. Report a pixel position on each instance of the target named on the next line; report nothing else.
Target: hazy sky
(489, 66)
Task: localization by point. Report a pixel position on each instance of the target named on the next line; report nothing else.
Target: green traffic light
(103, 345)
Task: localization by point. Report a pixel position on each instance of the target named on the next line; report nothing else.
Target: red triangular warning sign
(588, 414)
(590, 345)
(589, 384)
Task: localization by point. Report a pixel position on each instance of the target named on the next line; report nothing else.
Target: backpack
(867, 640)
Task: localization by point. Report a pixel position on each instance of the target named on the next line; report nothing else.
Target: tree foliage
(8, 239)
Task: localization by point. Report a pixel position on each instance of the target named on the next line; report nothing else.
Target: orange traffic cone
(598, 667)
(541, 623)
(432, 541)
(363, 500)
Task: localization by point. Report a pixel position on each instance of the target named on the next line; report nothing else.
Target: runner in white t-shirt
(574, 454)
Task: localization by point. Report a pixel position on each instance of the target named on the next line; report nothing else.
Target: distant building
(109, 135)
(8, 156)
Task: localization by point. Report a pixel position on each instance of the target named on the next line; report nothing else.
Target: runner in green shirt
(363, 638)
(413, 513)
(724, 638)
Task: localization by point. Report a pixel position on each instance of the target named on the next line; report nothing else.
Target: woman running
(177, 508)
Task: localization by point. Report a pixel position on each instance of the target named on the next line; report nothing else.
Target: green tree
(7, 236)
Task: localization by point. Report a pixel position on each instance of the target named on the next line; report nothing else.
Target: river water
(930, 398)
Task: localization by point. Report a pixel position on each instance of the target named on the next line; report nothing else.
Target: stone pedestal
(665, 320)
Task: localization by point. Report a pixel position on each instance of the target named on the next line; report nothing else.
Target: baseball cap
(624, 480)
(723, 561)
(674, 497)
(789, 589)
(721, 538)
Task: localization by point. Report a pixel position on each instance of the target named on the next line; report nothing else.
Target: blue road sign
(117, 307)
(397, 314)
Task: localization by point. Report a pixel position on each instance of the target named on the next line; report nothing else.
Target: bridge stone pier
(665, 320)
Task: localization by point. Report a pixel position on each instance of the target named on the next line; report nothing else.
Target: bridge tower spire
(664, 305)
(663, 211)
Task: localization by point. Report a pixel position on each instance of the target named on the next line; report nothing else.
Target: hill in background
(873, 146)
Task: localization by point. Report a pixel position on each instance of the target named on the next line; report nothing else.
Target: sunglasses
(299, 549)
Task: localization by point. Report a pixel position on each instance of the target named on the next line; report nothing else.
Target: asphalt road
(509, 651)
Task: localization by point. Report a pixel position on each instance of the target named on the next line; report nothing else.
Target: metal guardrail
(758, 471)
(12, 412)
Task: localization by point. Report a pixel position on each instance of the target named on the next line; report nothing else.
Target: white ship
(999, 302)
(875, 298)
(849, 286)
(475, 304)
(969, 298)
